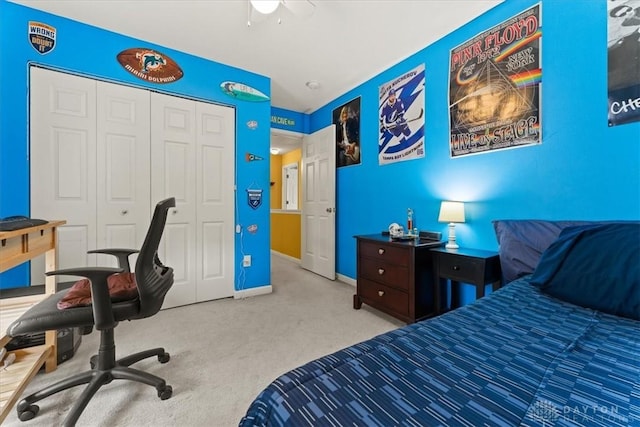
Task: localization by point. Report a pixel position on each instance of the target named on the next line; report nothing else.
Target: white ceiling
(340, 44)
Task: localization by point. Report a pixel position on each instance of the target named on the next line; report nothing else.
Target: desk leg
(479, 291)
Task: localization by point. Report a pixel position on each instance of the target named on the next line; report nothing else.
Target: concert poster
(623, 50)
(494, 87)
(401, 116)
(347, 121)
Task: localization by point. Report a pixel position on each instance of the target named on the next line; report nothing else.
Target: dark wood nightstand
(396, 277)
(474, 266)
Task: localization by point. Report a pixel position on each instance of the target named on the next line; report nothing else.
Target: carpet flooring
(223, 353)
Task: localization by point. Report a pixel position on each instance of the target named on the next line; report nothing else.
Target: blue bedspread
(516, 357)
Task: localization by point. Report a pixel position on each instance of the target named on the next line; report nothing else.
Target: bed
(558, 345)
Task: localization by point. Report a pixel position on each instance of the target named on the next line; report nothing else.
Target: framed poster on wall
(494, 87)
(401, 115)
(347, 121)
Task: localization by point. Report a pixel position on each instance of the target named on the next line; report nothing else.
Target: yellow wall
(277, 162)
(275, 173)
(285, 226)
(285, 233)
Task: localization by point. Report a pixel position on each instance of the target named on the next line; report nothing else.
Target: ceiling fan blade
(304, 8)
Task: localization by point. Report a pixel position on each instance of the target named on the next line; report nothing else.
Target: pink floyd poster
(494, 87)
(623, 50)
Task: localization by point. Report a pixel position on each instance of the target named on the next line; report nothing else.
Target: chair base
(104, 369)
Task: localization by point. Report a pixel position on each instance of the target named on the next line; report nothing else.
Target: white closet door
(63, 163)
(123, 168)
(173, 160)
(215, 142)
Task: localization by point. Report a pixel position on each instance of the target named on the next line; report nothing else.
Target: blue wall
(582, 170)
(92, 51)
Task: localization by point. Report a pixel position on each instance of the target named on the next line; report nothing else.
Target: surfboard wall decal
(243, 92)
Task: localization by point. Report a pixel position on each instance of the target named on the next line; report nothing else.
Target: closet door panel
(215, 215)
(123, 168)
(62, 163)
(173, 157)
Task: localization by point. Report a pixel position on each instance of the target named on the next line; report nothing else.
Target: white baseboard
(346, 279)
(252, 292)
(289, 257)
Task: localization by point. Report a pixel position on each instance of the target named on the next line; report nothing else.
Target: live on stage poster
(494, 87)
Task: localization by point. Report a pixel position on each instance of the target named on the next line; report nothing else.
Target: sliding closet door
(192, 159)
(215, 142)
(173, 159)
(63, 163)
(123, 168)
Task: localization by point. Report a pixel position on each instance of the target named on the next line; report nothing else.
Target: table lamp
(451, 212)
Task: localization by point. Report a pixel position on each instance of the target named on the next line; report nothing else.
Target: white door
(123, 175)
(319, 202)
(63, 164)
(173, 156)
(192, 159)
(215, 167)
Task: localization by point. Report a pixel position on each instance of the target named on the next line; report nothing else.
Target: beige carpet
(223, 353)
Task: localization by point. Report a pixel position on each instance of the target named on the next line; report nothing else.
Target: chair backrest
(152, 277)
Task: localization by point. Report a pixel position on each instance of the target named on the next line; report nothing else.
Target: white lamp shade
(265, 6)
(451, 212)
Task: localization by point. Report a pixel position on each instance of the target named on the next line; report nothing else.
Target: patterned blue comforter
(514, 358)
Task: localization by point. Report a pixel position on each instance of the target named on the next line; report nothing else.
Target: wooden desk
(17, 247)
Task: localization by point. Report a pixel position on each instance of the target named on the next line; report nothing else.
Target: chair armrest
(121, 254)
(100, 298)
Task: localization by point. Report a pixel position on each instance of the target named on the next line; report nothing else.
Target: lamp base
(452, 237)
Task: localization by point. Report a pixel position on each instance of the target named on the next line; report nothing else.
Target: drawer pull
(380, 251)
(456, 268)
(381, 271)
(380, 293)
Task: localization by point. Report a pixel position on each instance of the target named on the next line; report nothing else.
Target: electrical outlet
(246, 261)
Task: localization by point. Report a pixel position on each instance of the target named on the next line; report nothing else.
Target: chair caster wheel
(165, 393)
(28, 413)
(164, 358)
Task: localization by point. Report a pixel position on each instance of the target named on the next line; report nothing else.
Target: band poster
(401, 114)
(347, 121)
(623, 49)
(494, 87)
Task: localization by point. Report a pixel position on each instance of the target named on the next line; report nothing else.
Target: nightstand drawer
(384, 296)
(387, 253)
(461, 268)
(387, 273)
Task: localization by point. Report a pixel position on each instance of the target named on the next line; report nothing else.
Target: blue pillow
(594, 266)
(522, 242)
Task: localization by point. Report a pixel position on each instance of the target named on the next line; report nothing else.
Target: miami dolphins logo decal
(150, 65)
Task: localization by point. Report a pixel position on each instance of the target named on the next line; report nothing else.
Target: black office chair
(152, 281)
